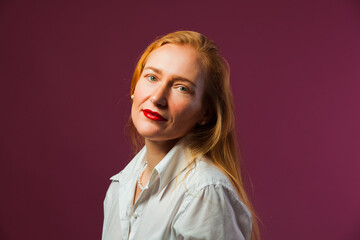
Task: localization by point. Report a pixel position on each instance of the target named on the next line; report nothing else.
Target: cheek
(186, 110)
(140, 93)
(191, 104)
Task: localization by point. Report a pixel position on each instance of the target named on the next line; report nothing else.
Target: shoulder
(203, 174)
(206, 183)
(211, 204)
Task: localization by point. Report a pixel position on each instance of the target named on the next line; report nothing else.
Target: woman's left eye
(183, 89)
(151, 78)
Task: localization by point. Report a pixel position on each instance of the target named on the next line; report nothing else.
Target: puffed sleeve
(214, 212)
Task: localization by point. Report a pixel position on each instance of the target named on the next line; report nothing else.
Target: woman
(185, 183)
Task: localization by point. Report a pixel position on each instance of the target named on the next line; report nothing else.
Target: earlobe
(203, 122)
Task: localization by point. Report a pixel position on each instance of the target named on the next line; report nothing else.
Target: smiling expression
(167, 101)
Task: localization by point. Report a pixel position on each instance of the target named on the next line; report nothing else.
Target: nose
(159, 96)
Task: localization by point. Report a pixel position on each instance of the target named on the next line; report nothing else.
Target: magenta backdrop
(65, 68)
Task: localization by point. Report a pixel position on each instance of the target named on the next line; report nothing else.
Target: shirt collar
(167, 169)
(133, 167)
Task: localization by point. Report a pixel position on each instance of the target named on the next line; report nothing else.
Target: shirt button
(136, 215)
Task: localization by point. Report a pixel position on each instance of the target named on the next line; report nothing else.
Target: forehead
(174, 59)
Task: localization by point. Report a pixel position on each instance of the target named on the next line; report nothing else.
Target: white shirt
(203, 205)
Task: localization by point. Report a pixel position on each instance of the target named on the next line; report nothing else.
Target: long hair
(216, 139)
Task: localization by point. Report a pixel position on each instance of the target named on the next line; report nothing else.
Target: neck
(156, 151)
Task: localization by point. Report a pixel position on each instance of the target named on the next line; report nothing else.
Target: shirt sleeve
(215, 212)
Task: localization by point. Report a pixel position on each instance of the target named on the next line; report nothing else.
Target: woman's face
(167, 101)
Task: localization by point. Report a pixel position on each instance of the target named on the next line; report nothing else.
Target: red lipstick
(153, 115)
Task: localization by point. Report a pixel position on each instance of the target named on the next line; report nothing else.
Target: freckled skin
(160, 89)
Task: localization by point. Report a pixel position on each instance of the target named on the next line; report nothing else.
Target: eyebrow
(178, 78)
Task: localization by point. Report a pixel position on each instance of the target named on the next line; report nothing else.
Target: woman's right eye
(151, 78)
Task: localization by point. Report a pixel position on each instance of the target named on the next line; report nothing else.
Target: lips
(153, 115)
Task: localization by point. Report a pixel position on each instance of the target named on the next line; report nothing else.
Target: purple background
(65, 70)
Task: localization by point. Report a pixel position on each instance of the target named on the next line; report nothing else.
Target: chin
(155, 135)
(147, 132)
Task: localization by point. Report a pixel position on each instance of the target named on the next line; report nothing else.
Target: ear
(207, 114)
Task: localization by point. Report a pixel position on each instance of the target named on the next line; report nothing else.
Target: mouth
(153, 115)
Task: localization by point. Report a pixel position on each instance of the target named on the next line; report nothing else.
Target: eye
(183, 89)
(151, 78)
